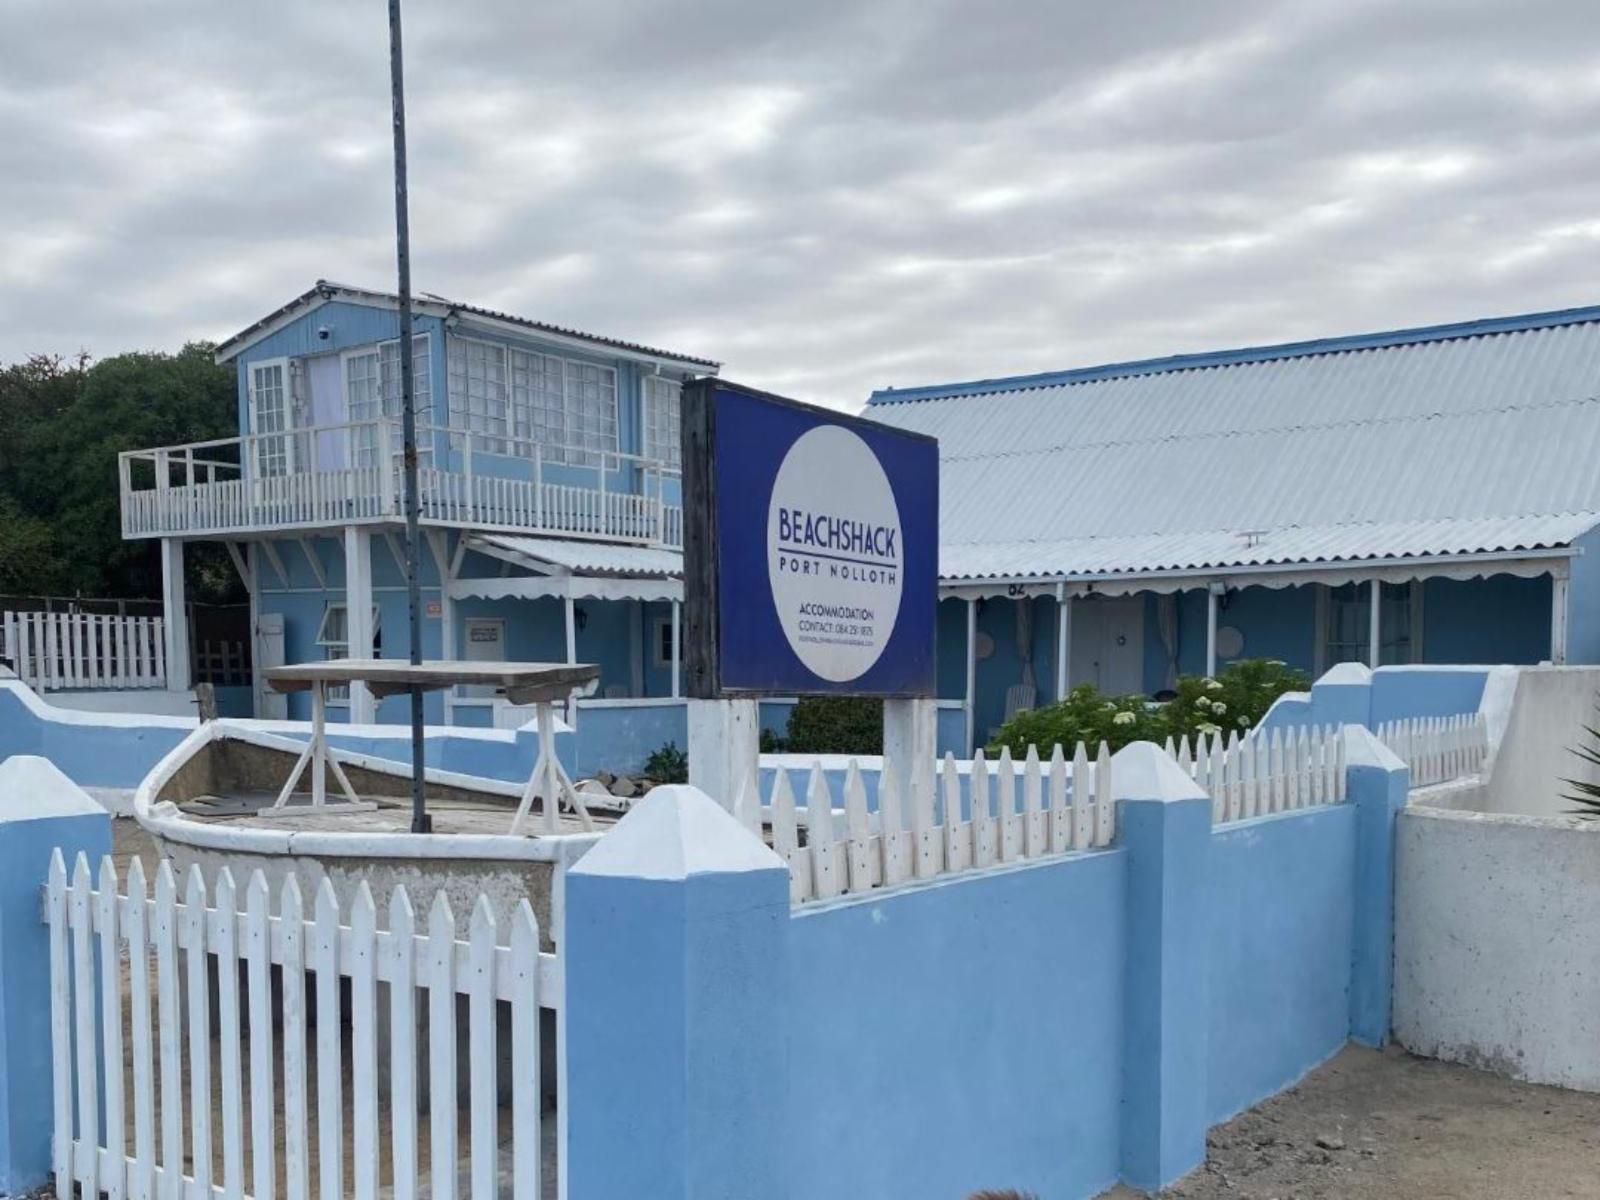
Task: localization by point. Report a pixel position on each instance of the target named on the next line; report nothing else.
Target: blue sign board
(811, 549)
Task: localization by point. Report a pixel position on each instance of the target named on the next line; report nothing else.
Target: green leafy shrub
(667, 765)
(1235, 701)
(833, 725)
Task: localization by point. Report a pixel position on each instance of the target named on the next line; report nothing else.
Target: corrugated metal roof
(1470, 444)
(584, 558)
(1201, 551)
(327, 290)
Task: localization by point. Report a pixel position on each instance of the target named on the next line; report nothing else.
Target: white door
(486, 642)
(270, 705)
(270, 418)
(326, 379)
(1108, 643)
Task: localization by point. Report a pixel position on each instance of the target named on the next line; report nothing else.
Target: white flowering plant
(1233, 702)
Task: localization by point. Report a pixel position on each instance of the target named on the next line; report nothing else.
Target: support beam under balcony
(175, 616)
(358, 615)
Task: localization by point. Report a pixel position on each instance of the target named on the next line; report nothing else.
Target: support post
(1376, 784)
(175, 616)
(1213, 596)
(1375, 625)
(971, 704)
(681, 904)
(724, 747)
(1558, 618)
(439, 547)
(677, 650)
(40, 810)
(1164, 822)
(909, 746)
(1063, 641)
(358, 615)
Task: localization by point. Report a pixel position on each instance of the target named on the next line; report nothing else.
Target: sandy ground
(1371, 1125)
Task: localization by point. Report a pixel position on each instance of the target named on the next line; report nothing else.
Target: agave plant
(1586, 794)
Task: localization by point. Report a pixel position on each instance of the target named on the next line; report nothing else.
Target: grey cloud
(829, 197)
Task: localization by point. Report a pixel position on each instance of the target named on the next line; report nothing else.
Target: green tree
(62, 426)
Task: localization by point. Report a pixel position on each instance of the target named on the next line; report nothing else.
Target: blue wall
(88, 753)
(1008, 1093)
(1501, 619)
(1351, 694)
(1281, 894)
(1583, 603)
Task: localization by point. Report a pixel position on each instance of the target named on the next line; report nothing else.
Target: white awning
(579, 569)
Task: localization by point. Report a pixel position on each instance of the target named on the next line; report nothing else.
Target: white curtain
(1167, 621)
(1024, 625)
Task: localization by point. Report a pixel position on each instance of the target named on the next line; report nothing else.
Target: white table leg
(319, 745)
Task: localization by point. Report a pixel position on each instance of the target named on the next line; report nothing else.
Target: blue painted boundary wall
(1353, 694)
(105, 750)
(1052, 1026)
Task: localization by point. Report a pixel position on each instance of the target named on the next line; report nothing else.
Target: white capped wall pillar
(1213, 597)
(1558, 618)
(1375, 625)
(972, 672)
(174, 617)
(1063, 640)
(358, 615)
(677, 651)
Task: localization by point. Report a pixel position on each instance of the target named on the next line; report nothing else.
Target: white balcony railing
(335, 475)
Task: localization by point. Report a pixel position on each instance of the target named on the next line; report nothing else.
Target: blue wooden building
(549, 482)
(1418, 496)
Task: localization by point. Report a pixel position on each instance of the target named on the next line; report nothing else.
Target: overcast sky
(829, 196)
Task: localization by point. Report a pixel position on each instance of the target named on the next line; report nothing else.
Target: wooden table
(539, 684)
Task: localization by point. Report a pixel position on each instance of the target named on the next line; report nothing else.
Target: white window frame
(571, 448)
(1324, 621)
(669, 455)
(286, 433)
(484, 440)
(363, 443)
(660, 635)
(334, 649)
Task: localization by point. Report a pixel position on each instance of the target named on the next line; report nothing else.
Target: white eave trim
(601, 349)
(420, 306)
(1554, 561)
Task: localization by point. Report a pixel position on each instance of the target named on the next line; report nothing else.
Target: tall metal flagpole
(402, 240)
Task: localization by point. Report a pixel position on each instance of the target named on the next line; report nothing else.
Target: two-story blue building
(549, 485)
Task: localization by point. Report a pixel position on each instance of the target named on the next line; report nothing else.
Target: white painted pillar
(358, 615)
(1063, 641)
(677, 650)
(572, 629)
(1558, 619)
(1213, 595)
(439, 546)
(972, 674)
(910, 744)
(175, 617)
(724, 748)
(252, 583)
(1374, 624)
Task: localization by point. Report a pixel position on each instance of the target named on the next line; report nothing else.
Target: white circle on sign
(835, 557)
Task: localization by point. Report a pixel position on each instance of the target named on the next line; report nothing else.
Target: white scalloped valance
(579, 587)
(1553, 563)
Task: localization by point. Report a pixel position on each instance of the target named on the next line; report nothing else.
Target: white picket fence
(1269, 773)
(178, 949)
(1013, 813)
(51, 651)
(1439, 749)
